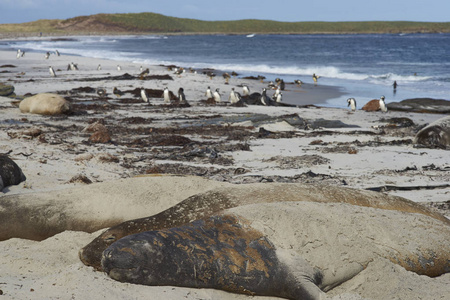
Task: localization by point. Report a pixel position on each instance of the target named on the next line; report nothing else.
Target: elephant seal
(221, 252)
(436, 134)
(294, 250)
(209, 203)
(10, 172)
(45, 104)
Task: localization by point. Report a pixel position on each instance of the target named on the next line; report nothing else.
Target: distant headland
(152, 23)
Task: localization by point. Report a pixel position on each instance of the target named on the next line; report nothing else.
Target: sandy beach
(218, 143)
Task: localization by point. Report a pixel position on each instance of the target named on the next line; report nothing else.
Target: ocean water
(364, 65)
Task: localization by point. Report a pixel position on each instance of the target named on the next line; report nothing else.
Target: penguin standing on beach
(383, 106)
(234, 96)
(47, 55)
(144, 95)
(99, 67)
(19, 53)
(119, 68)
(216, 95)
(264, 99)
(315, 77)
(57, 53)
(166, 95)
(208, 93)
(352, 103)
(181, 96)
(278, 99)
(52, 72)
(245, 90)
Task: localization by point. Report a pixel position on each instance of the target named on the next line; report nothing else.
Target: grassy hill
(156, 23)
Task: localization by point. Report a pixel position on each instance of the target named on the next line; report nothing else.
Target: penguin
(315, 77)
(144, 72)
(264, 99)
(52, 72)
(181, 96)
(57, 53)
(208, 93)
(117, 92)
(245, 90)
(73, 66)
(47, 55)
(119, 68)
(278, 99)
(383, 106)
(19, 53)
(282, 85)
(144, 95)
(141, 69)
(277, 92)
(99, 67)
(298, 82)
(216, 95)
(352, 103)
(166, 95)
(233, 98)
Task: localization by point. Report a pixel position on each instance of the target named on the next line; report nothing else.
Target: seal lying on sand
(436, 134)
(245, 249)
(221, 252)
(210, 203)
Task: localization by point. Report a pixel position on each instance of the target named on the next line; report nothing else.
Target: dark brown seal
(221, 252)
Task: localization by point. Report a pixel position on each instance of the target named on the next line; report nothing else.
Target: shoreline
(307, 94)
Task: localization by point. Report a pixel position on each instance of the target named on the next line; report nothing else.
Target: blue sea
(364, 66)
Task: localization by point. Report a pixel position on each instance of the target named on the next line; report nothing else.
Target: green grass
(156, 23)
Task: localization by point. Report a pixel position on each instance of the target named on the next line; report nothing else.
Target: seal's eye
(110, 239)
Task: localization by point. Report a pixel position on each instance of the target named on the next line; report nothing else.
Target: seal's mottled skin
(210, 203)
(221, 252)
(436, 134)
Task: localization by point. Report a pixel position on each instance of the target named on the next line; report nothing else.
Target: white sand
(51, 269)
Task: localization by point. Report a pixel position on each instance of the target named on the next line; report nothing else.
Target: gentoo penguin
(52, 72)
(278, 98)
(383, 106)
(216, 95)
(144, 95)
(352, 103)
(282, 85)
(315, 77)
(119, 68)
(277, 92)
(233, 98)
(47, 55)
(117, 92)
(298, 82)
(141, 69)
(73, 67)
(245, 90)
(264, 99)
(99, 67)
(181, 96)
(57, 53)
(166, 95)
(208, 93)
(19, 53)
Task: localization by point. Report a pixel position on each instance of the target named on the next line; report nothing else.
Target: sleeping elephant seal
(210, 203)
(207, 204)
(221, 252)
(436, 134)
(294, 250)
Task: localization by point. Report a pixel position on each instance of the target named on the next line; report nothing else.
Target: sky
(19, 11)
